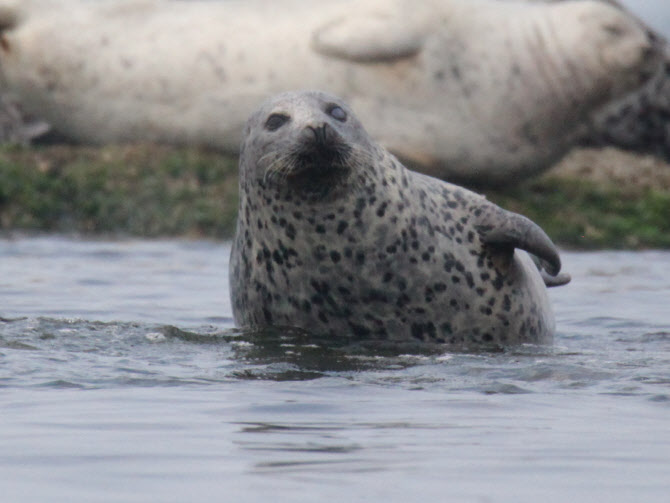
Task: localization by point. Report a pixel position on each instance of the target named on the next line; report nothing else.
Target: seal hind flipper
(560, 279)
(368, 38)
(507, 230)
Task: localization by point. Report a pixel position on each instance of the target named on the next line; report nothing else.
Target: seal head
(336, 237)
(311, 151)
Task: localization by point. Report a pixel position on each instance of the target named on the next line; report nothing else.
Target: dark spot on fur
(375, 296)
(277, 257)
(402, 300)
(319, 252)
(507, 303)
(359, 331)
(290, 231)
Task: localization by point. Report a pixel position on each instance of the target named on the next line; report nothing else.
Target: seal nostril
(321, 133)
(314, 131)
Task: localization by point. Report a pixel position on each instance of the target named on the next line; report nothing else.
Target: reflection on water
(123, 379)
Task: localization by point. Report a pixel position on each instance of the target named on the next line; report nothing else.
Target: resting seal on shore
(336, 237)
(479, 91)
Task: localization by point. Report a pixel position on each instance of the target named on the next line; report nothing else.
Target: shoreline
(592, 199)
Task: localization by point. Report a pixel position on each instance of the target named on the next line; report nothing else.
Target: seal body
(337, 237)
(472, 90)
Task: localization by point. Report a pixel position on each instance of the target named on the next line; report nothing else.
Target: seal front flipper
(506, 231)
(369, 37)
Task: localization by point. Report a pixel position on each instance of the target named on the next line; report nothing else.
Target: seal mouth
(320, 162)
(319, 167)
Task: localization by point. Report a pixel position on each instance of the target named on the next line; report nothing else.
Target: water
(654, 12)
(122, 380)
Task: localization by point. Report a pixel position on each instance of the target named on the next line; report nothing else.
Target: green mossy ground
(139, 190)
(148, 190)
(586, 215)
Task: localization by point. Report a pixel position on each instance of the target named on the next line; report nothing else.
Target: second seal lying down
(482, 92)
(336, 237)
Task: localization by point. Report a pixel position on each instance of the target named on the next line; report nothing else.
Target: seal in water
(479, 91)
(336, 237)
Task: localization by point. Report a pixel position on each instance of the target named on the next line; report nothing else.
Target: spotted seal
(470, 90)
(335, 236)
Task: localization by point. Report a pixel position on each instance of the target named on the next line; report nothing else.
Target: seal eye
(275, 121)
(337, 113)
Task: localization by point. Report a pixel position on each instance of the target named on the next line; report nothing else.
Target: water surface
(122, 379)
(654, 12)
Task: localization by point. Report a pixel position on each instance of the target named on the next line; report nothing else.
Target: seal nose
(323, 134)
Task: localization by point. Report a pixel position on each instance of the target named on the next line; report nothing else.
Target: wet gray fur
(336, 237)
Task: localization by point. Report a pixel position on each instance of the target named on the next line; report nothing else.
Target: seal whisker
(276, 170)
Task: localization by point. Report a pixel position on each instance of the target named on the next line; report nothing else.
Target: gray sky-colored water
(654, 12)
